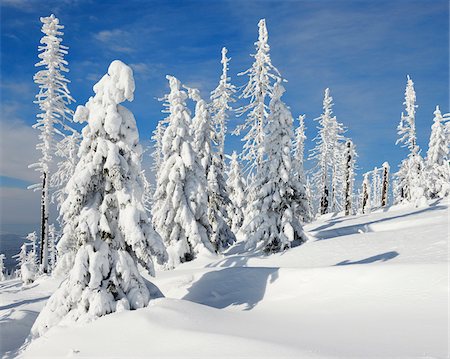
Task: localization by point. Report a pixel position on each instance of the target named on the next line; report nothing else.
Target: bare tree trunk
(384, 192)
(43, 257)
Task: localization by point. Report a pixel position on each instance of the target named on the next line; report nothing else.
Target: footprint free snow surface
(374, 285)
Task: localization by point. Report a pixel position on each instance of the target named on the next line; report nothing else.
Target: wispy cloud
(116, 40)
(18, 145)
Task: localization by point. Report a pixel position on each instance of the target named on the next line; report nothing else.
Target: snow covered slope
(368, 286)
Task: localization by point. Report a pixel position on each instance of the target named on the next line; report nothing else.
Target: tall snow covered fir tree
(385, 185)
(261, 78)
(410, 173)
(221, 97)
(53, 98)
(271, 224)
(236, 189)
(106, 228)
(221, 235)
(67, 151)
(218, 197)
(2, 268)
(349, 175)
(302, 201)
(437, 162)
(326, 156)
(365, 200)
(180, 201)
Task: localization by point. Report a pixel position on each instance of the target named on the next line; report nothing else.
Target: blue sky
(362, 50)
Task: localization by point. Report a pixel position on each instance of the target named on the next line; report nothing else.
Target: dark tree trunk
(385, 188)
(44, 224)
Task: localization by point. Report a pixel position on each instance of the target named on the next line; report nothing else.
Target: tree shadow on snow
(232, 286)
(364, 227)
(13, 336)
(383, 257)
(23, 302)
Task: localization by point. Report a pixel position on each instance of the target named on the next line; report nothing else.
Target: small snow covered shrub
(106, 228)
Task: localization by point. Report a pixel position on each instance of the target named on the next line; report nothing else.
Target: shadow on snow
(321, 233)
(232, 286)
(383, 257)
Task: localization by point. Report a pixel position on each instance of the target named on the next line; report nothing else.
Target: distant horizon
(361, 50)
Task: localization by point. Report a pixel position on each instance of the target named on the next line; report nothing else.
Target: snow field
(376, 288)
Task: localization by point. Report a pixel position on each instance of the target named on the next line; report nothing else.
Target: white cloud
(18, 149)
(115, 40)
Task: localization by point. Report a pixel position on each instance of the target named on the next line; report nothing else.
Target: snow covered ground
(372, 285)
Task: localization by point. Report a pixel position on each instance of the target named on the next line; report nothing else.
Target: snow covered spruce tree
(236, 189)
(376, 188)
(67, 151)
(365, 200)
(106, 229)
(302, 201)
(52, 99)
(2, 268)
(410, 173)
(271, 224)
(385, 185)
(180, 201)
(326, 156)
(218, 196)
(52, 251)
(261, 78)
(349, 174)
(221, 235)
(437, 161)
(221, 97)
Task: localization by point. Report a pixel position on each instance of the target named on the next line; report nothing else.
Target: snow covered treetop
(117, 85)
(327, 102)
(51, 25)
(410, 97)
(278, 91)
(263, 37)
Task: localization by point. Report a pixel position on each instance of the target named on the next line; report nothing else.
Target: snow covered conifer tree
(52, 99)
(67, 150)
(221, 97)
(349, 173)
(202, 130)
(236, 188)
(376, 188)
(365, 206)
(2, 268)
(106, 228)
(385, 186)
(52, 251)
(221, 235)
(323, 154)
(410, 173)
(261, 78)
(180, 202)
(271, 224)
(437, 162)
(302, 201)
